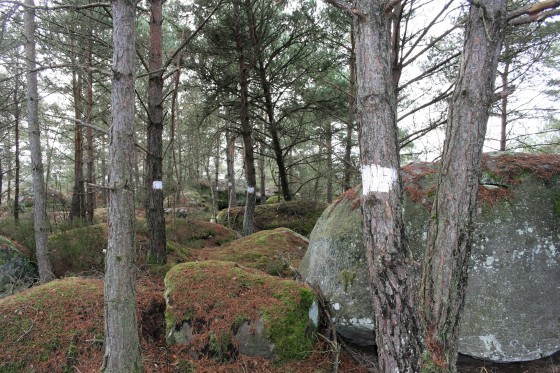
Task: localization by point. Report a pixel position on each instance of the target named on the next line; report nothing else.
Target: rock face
(512, 300)
(16, 270)
(220, 309)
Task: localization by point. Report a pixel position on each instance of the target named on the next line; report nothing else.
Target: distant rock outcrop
(512, 301)
(17, 272)
(299, 216)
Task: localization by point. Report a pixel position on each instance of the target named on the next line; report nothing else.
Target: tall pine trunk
(390, 265)
(40, 195)
(154, 158)
(122, 343)
(446, 260)
(346, 183)
(77, 207)
(246, 128)
(230, 164)
(90, 164)
(17, 151)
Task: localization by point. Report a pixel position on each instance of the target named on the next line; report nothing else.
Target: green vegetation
(266, 250)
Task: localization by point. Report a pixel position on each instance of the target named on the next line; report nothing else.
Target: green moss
(348, 278)
(557, 207)
(273, 199)
(264, 250)
(289, 327)
(185, 366)
(219, 346)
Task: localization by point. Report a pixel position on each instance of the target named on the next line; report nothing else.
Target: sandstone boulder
(512, 301)
(17, 272)
(219, 309)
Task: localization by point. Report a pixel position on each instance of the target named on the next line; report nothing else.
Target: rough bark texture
(154, 158)
(330, 170)
(90, 165)
(503, 112)
(122, 344)
(346, 184)
(77, 207)
(230, 162)
(246, 128)
(389, 263)
(17, 153)
(445, 266)
(39, 192)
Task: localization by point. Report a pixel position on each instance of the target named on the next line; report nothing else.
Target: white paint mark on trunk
(157, 184)
(251, 189)
(378, 179)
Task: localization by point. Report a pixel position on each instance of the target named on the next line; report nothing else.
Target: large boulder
(17, 272)
(299, 216)
(275, 251)
(220, 309)
(511, 306)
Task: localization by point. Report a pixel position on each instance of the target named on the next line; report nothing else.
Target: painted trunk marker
(378, 179)
(157, 184)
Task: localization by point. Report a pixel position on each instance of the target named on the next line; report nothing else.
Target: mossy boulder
(196, 234)
(299, 216)
(220, 309)
(17, 272)
(271, 251)
(511, 306)
(56, 327)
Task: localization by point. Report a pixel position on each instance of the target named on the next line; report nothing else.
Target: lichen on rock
(511, 305)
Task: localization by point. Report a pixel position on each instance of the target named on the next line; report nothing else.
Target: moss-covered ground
(271, 251)
(299, 216)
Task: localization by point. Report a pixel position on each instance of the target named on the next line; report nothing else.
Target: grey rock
(513, 297)
(17, 272)
(253, 341)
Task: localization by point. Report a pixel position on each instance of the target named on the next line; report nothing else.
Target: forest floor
(352, 358)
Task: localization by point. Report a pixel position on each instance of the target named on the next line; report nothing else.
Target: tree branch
(345, 7)
(534, 18)
(533, 8)
(191, 36)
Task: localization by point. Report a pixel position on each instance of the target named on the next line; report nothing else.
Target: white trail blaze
(378, 179)
(157, 184)
(251, 189)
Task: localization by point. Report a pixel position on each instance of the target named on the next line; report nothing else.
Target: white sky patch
(157, 184)
(378, 179)
(250, 189)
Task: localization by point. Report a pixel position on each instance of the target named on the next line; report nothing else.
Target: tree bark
(246, 128)
(262, 175)
(446, 260)
(40, 197)
(122, 344)
(230, 162)
(17, 151)
(329, 163)
(346, 184)
(503, 113)
(154, 158)
(390, 265)
(90, 165)
(77, 207)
